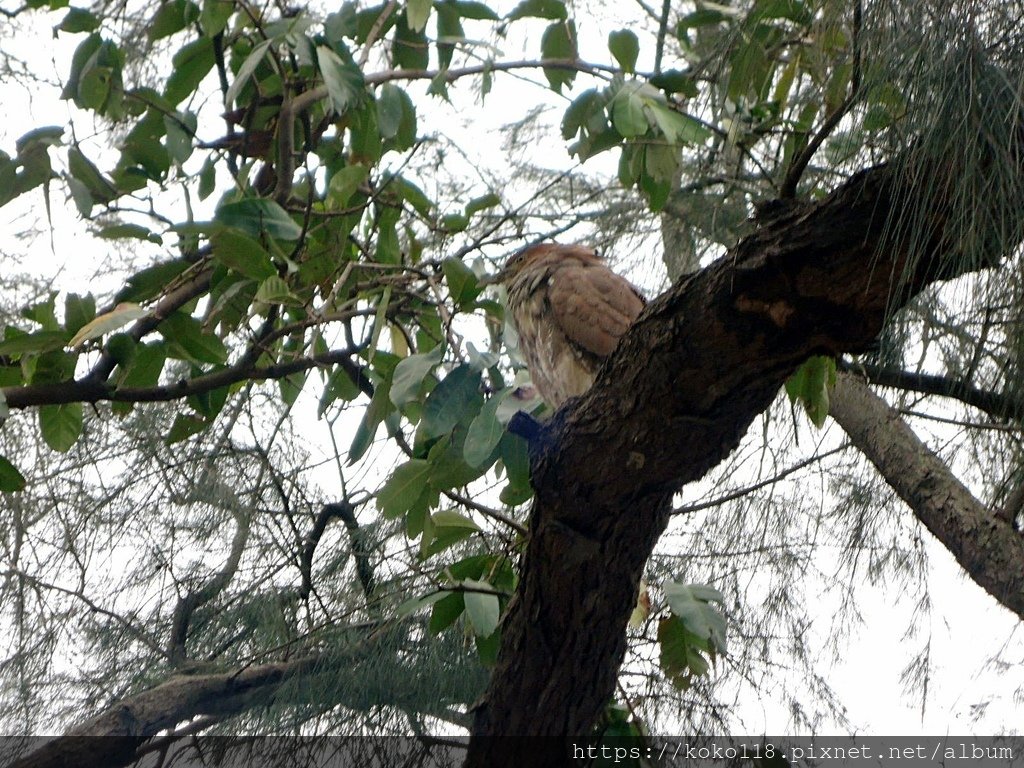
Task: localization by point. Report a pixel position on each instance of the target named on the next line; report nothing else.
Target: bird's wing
(592, 305)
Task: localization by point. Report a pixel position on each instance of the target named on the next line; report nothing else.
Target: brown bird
(569, 309)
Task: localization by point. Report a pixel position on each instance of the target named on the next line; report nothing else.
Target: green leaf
(418, 11)
(482, 203)
(61, 425)
(411, 48)
(344, 184)
(691, 605)
(180, 128)
(129, 232)
(367, 429)
(559, 42)
(214, 16)
(11, 480)
(242, 254)
(389, 110)
(274, 290)
(207, 179)
(119, 316)
(184, 427)
(446, 611)
(749, 72)
(189, 67)
(628, 115)
(449, 31)
(463, 283)
(171, 17)
(340, 386)
(151, 281)
(681, 658)
(146, 366)
(38, 342)
(484, 433)
(625, 47)
(78, 310)
(410, 372)
(703, 17)
(456, 398)
(186, 335)
(401, 490)
(344, 81)
(79, 20)
(540, 9)
(675, 81)
(482, 609)
(256, 216)
(677, 127)
(469, 9)
(810, 385)
(248, 68)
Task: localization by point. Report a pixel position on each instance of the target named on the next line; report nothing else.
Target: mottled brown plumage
(569, 309)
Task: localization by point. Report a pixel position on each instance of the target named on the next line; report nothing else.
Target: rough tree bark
(687, 380)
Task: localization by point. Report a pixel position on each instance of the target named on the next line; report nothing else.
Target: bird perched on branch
(569, 309)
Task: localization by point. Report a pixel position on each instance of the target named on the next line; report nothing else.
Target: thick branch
(86, 391)
(985, 544)
(998, 405)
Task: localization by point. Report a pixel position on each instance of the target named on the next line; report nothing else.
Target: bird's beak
(496, 279)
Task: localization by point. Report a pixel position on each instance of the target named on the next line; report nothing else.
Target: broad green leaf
(365, 433)
(691, 605)
(38, 342)
(184, 427)
(810, 385)
(248, 68)
(344, 184)
(482, 203)
(415, 604)
(559, 42)
(11, 480)
(146, 366)
(482, 609)
(449, 518)
(681, 656)
(214, 16)
(61, 425)
(418, 11)
(275, 290)
(628, 114)
(456, 398)
(188, 339)
(463, 283)
(401, 490)
(151, 281)
(677, 127)
(242, 254)
(470, 9)
(180, 128)
(340, 386)
(207, 179)
(79, 20)
(78, 310)
(171, 17)
(580, 116)
(389, 110)
(449, 32)
(675, 81)
(119, 316)
(255, 216)
(411, 48)
(410, 372)
(189, 67)
(446, 611)
(625, 47)
(540, 9)
(485, 432)
(344, 81)
(129, 232)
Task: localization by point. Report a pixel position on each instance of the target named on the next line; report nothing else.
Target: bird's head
(541, 253)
